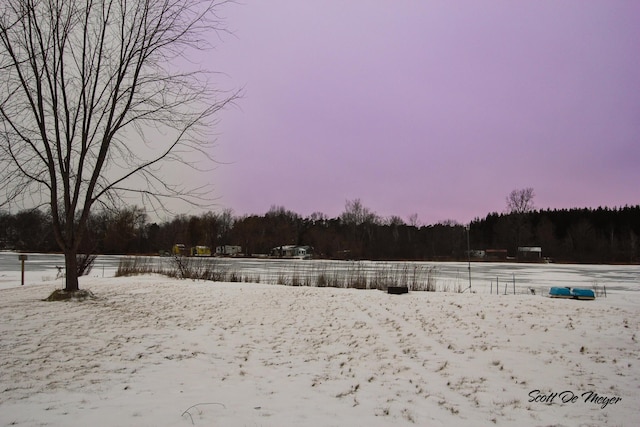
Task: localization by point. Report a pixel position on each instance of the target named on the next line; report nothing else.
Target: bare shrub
(131, 266)
(281, 279)
(295, 279)
(356, 278)
(424, 278)
(321, 280)
(431, 279)
(85, 263)
(182, 267)
(251, 279)
(382, 279)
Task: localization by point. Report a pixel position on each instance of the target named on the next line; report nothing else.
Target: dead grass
(358, 276)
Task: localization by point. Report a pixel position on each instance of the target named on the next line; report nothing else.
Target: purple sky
(438, 108)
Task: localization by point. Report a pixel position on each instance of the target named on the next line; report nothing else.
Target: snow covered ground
(152, 351)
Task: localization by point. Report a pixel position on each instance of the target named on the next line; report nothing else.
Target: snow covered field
(152, 351)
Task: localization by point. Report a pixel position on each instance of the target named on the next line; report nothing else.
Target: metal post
(469, 254)
(22, 258)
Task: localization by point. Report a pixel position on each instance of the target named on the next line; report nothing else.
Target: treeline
(603, 235)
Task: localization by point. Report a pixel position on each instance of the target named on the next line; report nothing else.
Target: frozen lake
(447, 275)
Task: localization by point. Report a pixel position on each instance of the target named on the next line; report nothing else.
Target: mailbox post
(22, 258)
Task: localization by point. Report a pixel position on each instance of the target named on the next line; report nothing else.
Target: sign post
(22, 258)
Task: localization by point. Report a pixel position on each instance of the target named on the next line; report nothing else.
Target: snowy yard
(152, 351)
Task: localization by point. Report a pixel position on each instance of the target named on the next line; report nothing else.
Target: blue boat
(572, 293)
(585, 294)
(557, 292)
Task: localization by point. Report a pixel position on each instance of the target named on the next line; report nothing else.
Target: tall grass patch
(356, 275)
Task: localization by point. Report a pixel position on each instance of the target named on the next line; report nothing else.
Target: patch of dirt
(64, 295)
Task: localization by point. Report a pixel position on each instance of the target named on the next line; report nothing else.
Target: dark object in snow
(397, 290)
(575, 293)
(64, 295)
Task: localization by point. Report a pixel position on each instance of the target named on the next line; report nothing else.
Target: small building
(179, 249)
(201, 251)
(292, 251)
(228, 250)
(530, 253)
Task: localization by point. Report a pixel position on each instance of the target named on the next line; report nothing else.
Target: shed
(530, 253)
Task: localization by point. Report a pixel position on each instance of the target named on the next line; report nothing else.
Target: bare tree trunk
(71, 267)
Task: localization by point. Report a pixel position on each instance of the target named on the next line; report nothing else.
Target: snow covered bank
(158, 352)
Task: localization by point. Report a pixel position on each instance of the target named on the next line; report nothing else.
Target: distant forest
(602, 235)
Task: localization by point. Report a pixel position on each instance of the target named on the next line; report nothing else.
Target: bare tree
(520, 201)
(519, 204)
(93, 105)
(361, 222)
(414, 220)
(355, 213)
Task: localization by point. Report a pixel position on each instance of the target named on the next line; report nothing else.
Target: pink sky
(436, 108)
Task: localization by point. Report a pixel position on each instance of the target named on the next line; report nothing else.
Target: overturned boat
(586, 294)
(572, 293)
(556, 292)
